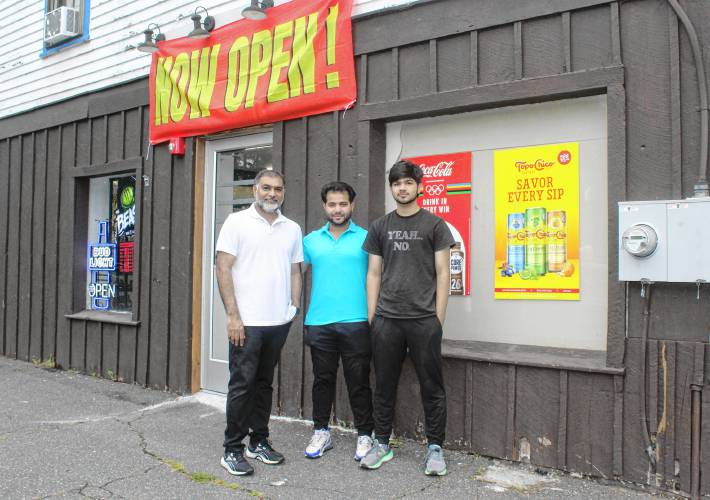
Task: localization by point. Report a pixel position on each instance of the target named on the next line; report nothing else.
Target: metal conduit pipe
(701, 188)
(695, 417)
(645, 327)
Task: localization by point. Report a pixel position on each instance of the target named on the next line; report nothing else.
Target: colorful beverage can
(536, 240)
(516, 241)
(457, 266)
(556, 240)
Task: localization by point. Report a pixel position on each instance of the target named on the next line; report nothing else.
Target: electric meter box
(665, 240)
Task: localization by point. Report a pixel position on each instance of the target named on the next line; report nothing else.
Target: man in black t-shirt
(407, 293)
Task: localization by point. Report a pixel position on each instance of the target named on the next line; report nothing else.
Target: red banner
(296, 62)
(446, 192)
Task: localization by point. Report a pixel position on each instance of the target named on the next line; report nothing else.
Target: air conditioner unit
(61, 24)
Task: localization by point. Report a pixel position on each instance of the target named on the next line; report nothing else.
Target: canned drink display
(536, 240)
(516, 242)
(556, 240)
(457, 265)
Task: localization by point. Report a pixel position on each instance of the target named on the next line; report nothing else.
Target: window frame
(82, 177)
(394, 139)
(85, 13)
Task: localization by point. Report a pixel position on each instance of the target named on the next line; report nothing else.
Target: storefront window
(538, 218)
(111, 248)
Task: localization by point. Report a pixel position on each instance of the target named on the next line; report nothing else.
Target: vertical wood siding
(43, 247)
(573, 420)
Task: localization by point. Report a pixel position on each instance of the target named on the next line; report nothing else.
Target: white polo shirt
(262, 270)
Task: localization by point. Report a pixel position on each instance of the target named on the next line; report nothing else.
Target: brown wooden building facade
(566, 408)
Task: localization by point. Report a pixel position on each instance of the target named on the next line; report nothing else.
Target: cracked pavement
(67, 435)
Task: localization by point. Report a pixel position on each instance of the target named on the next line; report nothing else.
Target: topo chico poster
(537, 222)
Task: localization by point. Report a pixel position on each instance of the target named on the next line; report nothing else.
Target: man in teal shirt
(336, 322)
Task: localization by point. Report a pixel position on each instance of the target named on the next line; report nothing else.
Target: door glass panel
(235, 170)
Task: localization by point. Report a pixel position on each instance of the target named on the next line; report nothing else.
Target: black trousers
(391, 339)
(251, 375)
(351, 343)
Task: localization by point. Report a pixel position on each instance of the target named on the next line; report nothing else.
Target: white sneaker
(364, 443)
(320, 443)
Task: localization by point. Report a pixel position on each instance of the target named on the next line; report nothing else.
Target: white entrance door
(230, 168)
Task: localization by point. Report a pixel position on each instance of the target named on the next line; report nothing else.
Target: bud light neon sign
(101, 262)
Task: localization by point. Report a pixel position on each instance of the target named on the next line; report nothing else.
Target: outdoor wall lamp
(148, 45)
(202, 28)
(257, 9)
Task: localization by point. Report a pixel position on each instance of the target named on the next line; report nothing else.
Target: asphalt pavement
(68, 435)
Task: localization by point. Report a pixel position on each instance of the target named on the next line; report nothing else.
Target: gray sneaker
(434, 465)
(378, 454)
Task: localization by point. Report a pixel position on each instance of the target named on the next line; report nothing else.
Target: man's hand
(443, 282)
(373, 283)
(235, 331)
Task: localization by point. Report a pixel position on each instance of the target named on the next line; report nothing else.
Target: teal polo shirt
(338, 276)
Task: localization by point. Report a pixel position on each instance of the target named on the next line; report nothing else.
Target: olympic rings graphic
(435, 189)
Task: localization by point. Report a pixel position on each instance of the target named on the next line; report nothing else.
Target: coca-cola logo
(538, 164)
(560, 235)
(441, 169)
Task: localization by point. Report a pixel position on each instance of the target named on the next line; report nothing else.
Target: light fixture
(257, 9)
(201, 29)
(148, 45)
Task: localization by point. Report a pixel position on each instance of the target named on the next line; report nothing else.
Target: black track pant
(351, 343)
(391, 339)
(251, 375)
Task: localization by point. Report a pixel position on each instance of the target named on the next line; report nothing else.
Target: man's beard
(345, 220)
(407, 201)
(268, 206)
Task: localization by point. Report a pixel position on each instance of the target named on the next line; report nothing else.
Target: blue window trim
(47, 51)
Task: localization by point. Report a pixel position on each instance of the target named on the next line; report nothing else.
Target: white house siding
(28, 81)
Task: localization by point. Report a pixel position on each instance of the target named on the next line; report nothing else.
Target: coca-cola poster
(446, 192)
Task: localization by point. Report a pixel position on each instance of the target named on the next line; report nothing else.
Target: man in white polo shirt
(259, 276)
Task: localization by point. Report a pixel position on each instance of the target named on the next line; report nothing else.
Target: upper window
(66, 22)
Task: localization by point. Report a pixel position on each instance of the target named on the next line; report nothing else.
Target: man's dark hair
(337, 187)
(403, 169)
(267, 172)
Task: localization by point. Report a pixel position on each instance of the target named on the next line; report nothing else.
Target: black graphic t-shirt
(407, 246)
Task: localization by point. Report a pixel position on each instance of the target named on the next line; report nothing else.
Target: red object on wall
(297, 62)
(177, 146)
(125, 257)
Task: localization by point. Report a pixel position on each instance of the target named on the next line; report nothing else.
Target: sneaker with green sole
(378, 454)
(434, 464)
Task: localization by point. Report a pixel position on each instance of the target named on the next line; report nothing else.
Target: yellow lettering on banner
(179, 76)
(260, 59)
(278, 90)
(237, 84)
(162, 89)
(203, 69)
(332, 79)
(303, 62)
